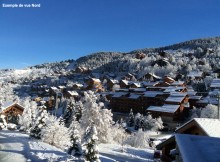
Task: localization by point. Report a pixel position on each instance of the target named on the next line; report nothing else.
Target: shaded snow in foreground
(111, 152)
(17, 146)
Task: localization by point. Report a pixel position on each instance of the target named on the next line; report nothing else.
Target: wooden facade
(12, 112)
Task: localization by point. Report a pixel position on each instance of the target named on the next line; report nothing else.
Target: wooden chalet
(149, 77)
(111, 83)
(168, 113)
(77, 86)
(11, 111)
(163, 84)
(140, 56)
(196, 126)
(135, 85)
(72, 94)
(62, 88)
(94, 84)
(153, 98)
(82, 70)
(124, 101)
(129, 76)
(177, 99)
(93, 81)
(124, 83)
(168, 79)
(193, 101)
(150, 84)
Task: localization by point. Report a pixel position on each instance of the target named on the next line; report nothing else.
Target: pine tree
(97, 113)
(75, 140)
(39, 123)
(130, 121)
(69, 113)
(28, 115)
(91, 152)
(137, 120)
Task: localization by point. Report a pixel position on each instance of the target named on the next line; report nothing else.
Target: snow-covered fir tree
(97, 113)
(39, 123)
(91, 148)
(69, 112)
(139, 139)
(4, 124)
(55, 133)
(78, 110)
(28, 115)
(147, 122)
(130, 121)
(75, 138)
(137, 121)
(210, 111)
(150, 123)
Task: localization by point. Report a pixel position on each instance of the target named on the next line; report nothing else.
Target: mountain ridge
(97, 59)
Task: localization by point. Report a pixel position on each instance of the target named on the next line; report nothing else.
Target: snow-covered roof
(79, 85)
(211, 100)
(152, 74)
(195, 97)
(149, 84)
(177, 83)
(125, 82)
(119, 94)
(178, 94)
(215, 92)
(73, 93)
(122, 90)
(54, 88)
(215, 83)
(210, 126)
(203, 101)
(114, 81)
(167, 77)
(195, 74)
(61, 87)
(198, 148)
(173, 89)
(7, 104)
(96, 80)
(165, 108)
(175, 99)
(137, 89)
(191, 93)
(152, 93)
(137, 84)
(134, 96)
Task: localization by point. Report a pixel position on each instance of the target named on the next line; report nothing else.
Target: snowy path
(18, 147)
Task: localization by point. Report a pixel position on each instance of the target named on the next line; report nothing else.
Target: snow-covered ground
(112, 152)
(16, 146)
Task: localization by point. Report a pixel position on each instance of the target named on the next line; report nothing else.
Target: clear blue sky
(68, 29)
